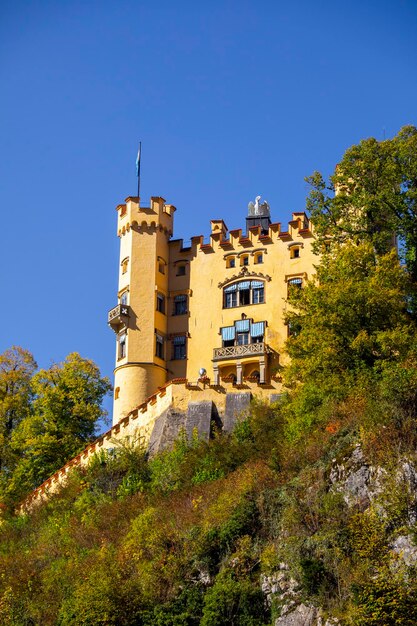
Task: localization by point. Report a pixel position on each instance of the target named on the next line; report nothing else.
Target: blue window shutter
(228, 333)
(242, 326)
(257, 329)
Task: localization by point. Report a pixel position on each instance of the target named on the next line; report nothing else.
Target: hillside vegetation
(309, 507)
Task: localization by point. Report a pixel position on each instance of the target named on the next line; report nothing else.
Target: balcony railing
(118, 316)
(236, 352)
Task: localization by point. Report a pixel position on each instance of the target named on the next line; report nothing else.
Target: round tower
(139, 319)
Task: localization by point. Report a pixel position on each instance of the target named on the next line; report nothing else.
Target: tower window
(116, 393)
(179, 348)
(123, 298)
(180, 304)
(124, 265)
(159, 348)
(161, 267)
(160, 302)
(121, 343)
(180, 270)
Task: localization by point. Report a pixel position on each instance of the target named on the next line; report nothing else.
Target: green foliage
(52, 415)
(235, 602)
(387, 599)
(357, 306)
(17, 367)
(377, 196)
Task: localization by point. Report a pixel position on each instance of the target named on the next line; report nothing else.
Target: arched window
(244, 293)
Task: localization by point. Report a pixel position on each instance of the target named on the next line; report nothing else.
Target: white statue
(257, 208)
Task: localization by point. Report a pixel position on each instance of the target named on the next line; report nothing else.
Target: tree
(376, 196)
(63, 420)
(17, 367)
(353, 321)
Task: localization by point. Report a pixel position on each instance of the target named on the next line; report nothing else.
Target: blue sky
(230, 99)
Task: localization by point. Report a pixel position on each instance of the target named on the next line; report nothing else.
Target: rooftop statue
(257, 208)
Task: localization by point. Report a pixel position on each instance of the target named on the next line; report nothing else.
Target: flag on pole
(138, 167)
(138, 160)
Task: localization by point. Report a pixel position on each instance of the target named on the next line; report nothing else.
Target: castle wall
(191, 406)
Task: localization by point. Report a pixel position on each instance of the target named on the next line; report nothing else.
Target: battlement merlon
(157, 214)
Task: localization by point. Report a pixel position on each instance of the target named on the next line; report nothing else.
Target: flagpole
(138, 166)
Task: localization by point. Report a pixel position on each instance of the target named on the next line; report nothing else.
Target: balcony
(118, 316)
(238, 352)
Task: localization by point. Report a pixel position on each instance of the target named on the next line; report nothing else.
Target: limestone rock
(358, 482)
(405, 549)
(302, 615)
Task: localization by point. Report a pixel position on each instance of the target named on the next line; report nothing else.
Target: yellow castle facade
(209, 315)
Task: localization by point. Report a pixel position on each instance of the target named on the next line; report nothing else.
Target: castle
(211, 312)
(199, 329)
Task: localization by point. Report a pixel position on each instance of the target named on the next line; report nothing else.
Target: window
(294, 252)
(179, 350)
(116, 393)
(245, 260)
(123, 298)
(259, 258)
(121, 343)
(294, 283)
(242, 339)
(159, 349)
(243, 293)
(257, 331)
(124, 265)
(257, 292)
(180, 270)
(180, 304)
(231, 261)
(161, 267)
(228, 336)
(294, 328)
(230, 299)
(123, 210)
(243, 333)
(160, 303)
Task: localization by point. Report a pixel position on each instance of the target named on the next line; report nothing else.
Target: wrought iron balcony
(237, 352)
(118, 316)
